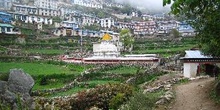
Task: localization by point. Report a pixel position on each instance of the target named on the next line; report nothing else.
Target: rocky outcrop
(15, 92)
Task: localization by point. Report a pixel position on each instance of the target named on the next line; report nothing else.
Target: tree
(127, 39)
(175, 33)
(204, 16)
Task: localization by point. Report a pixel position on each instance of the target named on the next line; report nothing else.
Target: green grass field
(37, 86)
(34, 68)
(124, 70)
(91, 84)
(61, 74)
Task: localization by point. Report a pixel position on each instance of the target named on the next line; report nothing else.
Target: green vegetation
(87, 85)
(44, 51)
(47, 75)
(124, 70)
(2, 49)
(215, 97)
(163, 47)
(35, 68)
(102, 96)
(127, 39)
(142, 101)
(205, 20)
(69, 92)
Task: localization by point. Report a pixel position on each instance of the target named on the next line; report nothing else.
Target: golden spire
(106, 37)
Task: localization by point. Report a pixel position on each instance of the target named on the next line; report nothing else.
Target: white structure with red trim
(107, 53)
(193, 60)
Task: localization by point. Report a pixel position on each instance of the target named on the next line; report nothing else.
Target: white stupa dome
(106, 47)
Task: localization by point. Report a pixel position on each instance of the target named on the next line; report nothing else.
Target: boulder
(9, 97)
(17, 88)
(20, 82)
(3, 85)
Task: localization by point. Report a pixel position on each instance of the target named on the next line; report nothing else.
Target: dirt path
(194, 96)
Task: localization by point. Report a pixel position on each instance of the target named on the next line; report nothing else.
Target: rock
(168, 97)
(10, 97)
(20, 82)
(17, 88)
(131, 80)
(161, 101)
(3, 85)
(167, 87)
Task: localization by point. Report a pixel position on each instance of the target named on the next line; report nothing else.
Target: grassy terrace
(35, 68)
(91, 84)
(56, 75)
(44, 51)
(163, 47)
(124, 70)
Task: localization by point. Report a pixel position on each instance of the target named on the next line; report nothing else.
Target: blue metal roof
(6, 25)
(3, 13)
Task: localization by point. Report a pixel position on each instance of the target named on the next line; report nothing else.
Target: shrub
(144, 77)
(101, 96)
(139, 102)
(43, 81)
(116, 101)
(4, 76)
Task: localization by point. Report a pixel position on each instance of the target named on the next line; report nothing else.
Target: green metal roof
(6, 25)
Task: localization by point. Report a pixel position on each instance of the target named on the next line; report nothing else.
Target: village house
(74, 16)
(32, 10)
(88, 3)
(107, 22)
(5, 4)
(144, 28)
(109, 4)
(185, 29)
(134, 14)
(48, 4)
(5, 17)
(8, 29)
(19, 16)
(39, 19)
(165, 27)
(49, 12)
(25, 9)
(90, 33)
(66, 28)
(89, 20)
(159, 16)
(124, 25)
(147, 17)
(32, 18)
(65, 9)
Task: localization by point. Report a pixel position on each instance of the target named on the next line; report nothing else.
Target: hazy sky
(149, 4)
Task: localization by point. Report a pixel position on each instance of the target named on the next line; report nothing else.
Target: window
(3, 29)
(8, 29)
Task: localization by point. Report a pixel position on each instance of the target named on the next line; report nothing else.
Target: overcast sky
(149, 4)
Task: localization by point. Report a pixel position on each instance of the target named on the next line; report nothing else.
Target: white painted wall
(190, 69)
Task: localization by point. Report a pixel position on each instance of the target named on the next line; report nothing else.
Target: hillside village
(64, 19)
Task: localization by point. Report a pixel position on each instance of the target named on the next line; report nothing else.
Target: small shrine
(106, 48)
(196, 63)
